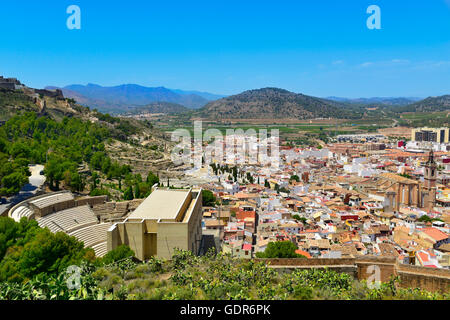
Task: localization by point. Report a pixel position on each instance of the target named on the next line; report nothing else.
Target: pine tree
(137, 193)
(128, 194)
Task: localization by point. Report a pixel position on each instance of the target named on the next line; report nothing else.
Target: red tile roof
(303, 253)
(436, 234)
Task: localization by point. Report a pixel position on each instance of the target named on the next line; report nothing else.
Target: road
(35, 181)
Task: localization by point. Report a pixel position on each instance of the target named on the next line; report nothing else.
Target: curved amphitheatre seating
(104, 209)
(100, 249)
(37, 206)
(122, 207)
(79, 221)
(68, 220)
(111, 210)
(52, 199)
(92, 235)
(21, 212)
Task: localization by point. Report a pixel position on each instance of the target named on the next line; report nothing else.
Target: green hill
(430, 104)
(277, 103)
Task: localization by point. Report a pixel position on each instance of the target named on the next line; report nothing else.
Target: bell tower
(430, 174)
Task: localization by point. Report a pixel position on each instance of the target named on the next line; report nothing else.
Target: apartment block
(439, 135)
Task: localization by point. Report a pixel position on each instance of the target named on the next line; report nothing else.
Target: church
(400, 191)
(409, 192)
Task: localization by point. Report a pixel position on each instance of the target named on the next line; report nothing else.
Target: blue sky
(319, 47)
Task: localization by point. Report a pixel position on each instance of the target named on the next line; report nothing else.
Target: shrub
(279, 249)
(120, 253)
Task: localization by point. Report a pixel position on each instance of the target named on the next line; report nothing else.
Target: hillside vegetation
(214, 277)
(276, 103)
(13, 102)
(75, 145)
(28, 252)
(430, 104)
(159, 107)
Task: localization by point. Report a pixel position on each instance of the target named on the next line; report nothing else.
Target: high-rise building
(439, 135)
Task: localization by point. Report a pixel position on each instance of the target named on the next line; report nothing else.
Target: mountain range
(116, 99)
(388, 101)
(252, 104)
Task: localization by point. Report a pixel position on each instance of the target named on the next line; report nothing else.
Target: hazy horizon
(220, 94)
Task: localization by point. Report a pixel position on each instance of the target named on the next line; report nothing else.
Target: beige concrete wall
(195, 226)
(130, 234)
(171, 235)
(184, 207)
(150, 245)
(113, 238)
(149, 238)
(135, 237)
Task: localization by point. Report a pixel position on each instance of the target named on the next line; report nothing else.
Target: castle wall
(430, 279)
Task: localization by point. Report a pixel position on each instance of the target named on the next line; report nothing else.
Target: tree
(295, 177)
(152, 178)
(250, 178)
(128, 194)
(95, 180)
(76, 182)
(279, 249)
(323, 136)
(99, 192)
(12, 183)
(426, 218)
(208, 198)
(235, 173)
(54, 172)
(137, 193)
(283, 189)
(26, 250)
(298, 218)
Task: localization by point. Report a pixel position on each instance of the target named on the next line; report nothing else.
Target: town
(371, 197)
(361, 195)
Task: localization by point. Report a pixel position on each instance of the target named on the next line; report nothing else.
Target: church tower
(430, 173)
(430, 176)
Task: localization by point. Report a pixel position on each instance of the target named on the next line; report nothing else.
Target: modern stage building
(166, 220)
